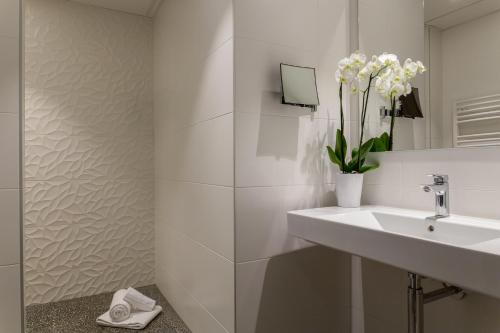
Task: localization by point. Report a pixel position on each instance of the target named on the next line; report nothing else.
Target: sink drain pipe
(417, 299)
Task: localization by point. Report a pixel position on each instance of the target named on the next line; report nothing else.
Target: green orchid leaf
(365, 148)
(368, 167)
(340, 146)
(354, 153)
(333, 156)
(381, 143)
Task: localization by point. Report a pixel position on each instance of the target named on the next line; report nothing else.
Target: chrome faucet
(441, 189)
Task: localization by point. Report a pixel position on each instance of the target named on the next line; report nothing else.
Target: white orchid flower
(364, 73)
(344, 63)
(421, 67)
(408, 89)
(388, 59)
(391, 79)
(410, 69)
(397, 90)
(345, 76)
(383, 86)
(358, 60)
(348, 68)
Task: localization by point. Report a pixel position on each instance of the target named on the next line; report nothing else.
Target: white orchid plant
(391, 80)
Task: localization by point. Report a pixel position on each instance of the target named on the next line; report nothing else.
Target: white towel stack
(130, 309)
(139, 301)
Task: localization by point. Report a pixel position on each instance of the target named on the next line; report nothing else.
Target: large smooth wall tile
(473, 177)
(257, 76)
(303, 291)
(9, 19)
(206, 91)
(9, 74)
(286, 22)
(258, 81)
(9, 151)
(10, 305)
(205, 213)
(261, 225)
(10, 238)
(195, 158)
(216, 23)
(194, 314)
(276, 150)
(205, 275)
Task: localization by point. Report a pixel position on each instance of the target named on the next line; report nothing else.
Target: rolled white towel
(139, 301)
(137, 320)
(119, 309)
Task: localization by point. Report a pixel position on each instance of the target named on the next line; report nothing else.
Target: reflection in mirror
(457, 102)
(299, 86)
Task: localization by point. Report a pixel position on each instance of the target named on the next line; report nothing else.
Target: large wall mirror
(459, 95)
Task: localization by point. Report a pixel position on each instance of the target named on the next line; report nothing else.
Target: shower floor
(78, 315)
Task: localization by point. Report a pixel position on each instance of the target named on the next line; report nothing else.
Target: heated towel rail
(475, 121)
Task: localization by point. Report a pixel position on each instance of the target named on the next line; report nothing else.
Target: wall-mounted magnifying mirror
(299, 86)
(459, 95)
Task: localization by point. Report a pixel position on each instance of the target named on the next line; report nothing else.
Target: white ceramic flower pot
(348, 188)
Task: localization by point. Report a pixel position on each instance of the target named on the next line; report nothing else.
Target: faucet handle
(439, 179)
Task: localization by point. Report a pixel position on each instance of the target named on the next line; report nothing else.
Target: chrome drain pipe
(417, 298)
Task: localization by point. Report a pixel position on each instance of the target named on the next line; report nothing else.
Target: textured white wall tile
(53, 157)
(9, 150)
(10, 306)
(10, 247)
(89, 151)
(87, 237)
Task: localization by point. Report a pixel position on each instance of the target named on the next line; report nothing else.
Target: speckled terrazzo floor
(78, 316)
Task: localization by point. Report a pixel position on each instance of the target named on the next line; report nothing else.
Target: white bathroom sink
(461, 250)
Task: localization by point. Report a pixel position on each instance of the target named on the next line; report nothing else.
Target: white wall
(394, 26)
(89, 151)
(469, 52)
(194, 199)
(281, 165)
(10, 176)
(435, 88)
(475, 189)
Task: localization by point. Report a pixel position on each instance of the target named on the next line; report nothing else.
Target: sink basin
(464, 251)
(444, 231)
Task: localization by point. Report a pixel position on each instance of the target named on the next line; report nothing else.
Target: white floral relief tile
(88, 151)
(87, 230)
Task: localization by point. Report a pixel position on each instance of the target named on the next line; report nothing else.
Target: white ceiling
(437, 8)
(447, 13)
(139, 7)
